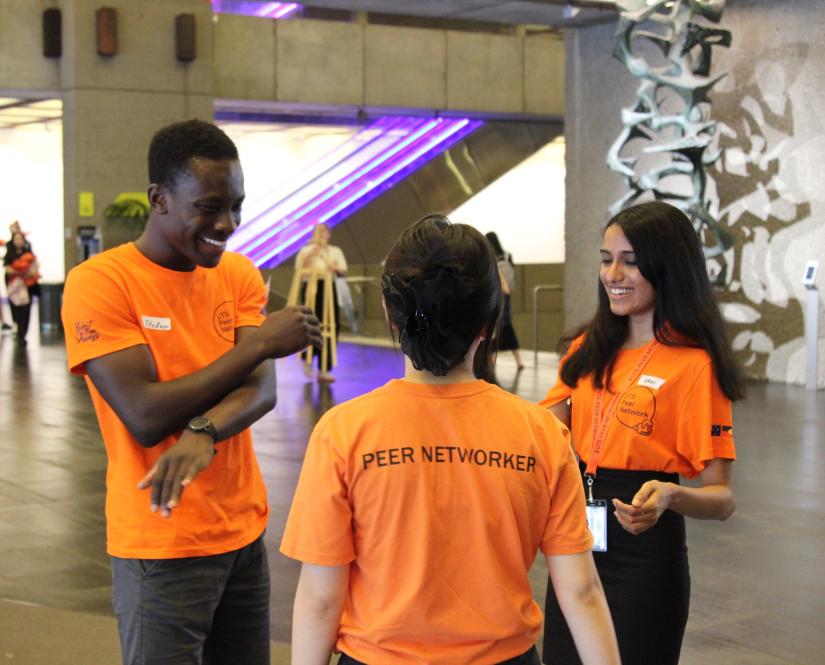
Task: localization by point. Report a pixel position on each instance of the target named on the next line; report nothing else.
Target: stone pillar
(113, 105)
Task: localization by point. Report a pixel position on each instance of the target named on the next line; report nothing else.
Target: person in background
(329, 262)
(507, 340)
(14, 227)
(421, 505)
(22, 275)
(5, 327)
(646, 388)
(171, 335)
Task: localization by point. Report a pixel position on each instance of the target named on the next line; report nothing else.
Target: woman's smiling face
(630, 294)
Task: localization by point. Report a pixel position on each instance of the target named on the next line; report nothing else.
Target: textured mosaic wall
(770, 183)
(767, 191)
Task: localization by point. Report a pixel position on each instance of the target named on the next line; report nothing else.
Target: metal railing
(539, 288)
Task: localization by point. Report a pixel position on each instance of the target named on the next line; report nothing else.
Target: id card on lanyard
(597, 510)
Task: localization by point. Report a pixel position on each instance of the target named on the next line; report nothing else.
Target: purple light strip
(385, 172)
(275, 10)
(376, 185)
(286, 10)
(258, 229)
(372, 183)
(397, 126)
(287, 248)
(403, 170)
(346, 182)
(420, 130)
(268, 8)
(320, 168)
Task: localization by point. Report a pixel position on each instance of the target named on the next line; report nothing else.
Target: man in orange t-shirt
(439, 496)
(171, 337)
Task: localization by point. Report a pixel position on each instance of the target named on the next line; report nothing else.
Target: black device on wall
(52, 33)
(106, 31)
(185, 37)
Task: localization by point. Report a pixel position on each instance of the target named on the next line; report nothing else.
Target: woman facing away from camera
(422, 504)
(507, 339)
(646, 389)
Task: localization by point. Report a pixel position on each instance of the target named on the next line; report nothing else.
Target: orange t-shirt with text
(673, 418)
(440, 498)
(120, 299)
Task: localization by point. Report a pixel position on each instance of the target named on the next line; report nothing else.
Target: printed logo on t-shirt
(651, 381)
(721, 430)
(157, 323)
(224, 321)
(636, 409)
(85, 332)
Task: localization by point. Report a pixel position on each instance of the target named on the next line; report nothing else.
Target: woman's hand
(652, 499)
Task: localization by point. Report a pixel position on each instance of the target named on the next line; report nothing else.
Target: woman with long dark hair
(646, 388)
(422, 504)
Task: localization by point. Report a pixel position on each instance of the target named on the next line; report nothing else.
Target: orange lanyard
(601, 423)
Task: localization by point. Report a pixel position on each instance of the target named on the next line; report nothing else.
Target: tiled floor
(758, 580)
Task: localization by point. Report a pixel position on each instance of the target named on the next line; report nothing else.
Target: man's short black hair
(175, 145)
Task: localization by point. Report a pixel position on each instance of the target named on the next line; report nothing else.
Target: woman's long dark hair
(12, 251)
(669, 256)
(441, 288)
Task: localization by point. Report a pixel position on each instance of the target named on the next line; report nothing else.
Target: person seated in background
(421, 505)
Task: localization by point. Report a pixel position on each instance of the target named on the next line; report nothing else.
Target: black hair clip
(417, 323)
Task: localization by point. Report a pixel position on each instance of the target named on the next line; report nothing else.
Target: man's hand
(176, 468)
(289, 330)
(652, 499)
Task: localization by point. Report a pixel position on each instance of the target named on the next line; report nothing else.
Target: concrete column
(113, 105)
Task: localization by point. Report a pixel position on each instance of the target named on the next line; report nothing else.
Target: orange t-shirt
(119, 299)
(440, 497)
(674, 418)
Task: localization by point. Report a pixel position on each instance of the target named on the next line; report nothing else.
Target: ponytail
(442, 290)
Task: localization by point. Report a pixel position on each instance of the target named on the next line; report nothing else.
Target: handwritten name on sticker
(649, 381)
(157, 323)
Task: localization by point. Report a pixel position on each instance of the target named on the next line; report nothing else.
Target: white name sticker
(157, 323)
(651, 381)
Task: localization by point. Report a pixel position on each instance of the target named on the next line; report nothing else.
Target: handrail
(536, 290)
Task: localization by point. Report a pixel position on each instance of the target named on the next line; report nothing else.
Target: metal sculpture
(672, 111)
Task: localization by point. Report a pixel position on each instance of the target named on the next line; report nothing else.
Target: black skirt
(507, 340)
(646, 579)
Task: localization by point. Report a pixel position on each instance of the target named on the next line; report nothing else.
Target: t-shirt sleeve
(319, 527)
(558, 393)
(97, 317)
(561, 391)
(705, 428)
(252, 296)
(566, 530)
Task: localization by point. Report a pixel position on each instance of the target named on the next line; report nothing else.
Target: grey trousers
(209, 610)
